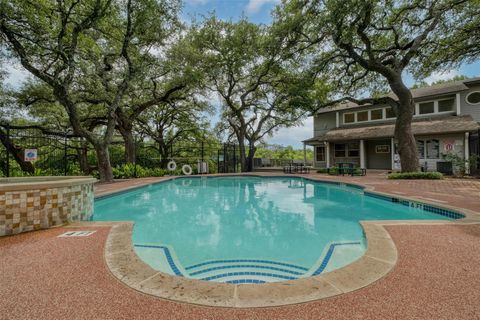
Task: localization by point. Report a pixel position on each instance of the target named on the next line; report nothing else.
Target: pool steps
(239, 271)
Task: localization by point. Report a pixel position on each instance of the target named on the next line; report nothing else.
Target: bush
(416, 175)
(128, 171)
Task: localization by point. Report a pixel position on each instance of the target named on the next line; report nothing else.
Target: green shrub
(416, 175)
(128, 171)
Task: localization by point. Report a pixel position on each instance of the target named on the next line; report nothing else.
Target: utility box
(445, 167)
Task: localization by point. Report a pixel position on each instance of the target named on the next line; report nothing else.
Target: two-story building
(446, 120)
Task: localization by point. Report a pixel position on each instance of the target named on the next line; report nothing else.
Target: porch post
(467, 153)
(362, 154)
(327, 154)
(392, 151)
(304, 154)
(457, 100)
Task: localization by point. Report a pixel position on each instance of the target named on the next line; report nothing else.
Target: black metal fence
(474, 148)
(64, 154)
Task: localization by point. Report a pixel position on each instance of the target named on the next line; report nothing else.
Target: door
(379, 154)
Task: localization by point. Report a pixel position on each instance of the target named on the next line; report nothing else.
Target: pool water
(244, 229)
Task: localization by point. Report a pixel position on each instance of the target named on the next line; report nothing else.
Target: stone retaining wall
(39, 203)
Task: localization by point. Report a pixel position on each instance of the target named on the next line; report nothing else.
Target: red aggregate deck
(44, 277)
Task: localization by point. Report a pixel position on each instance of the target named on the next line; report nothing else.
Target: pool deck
(436, 275)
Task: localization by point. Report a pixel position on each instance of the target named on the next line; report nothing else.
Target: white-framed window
(340, 150)
(343, 150)
(349, 117)
(473, 98)
(353, 149)
(320, 153)
(433, 149)
(376, 114)
(428, 148)
(421, 149)
(389, 113)
(442, 105)
(426, 107)
(446, 105)
(362, 116)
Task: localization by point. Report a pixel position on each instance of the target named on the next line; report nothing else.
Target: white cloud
(254, 6)
(293, 136)
(436, 76)
(16, 75)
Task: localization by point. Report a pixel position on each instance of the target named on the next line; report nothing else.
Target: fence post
(135, 156)
(218, 160)
(234, 159)
(202, 151)
(225, 158)
(8, 154)
(65, 155)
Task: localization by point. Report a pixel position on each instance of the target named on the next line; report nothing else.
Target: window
(433, 149)
(320, 153)
(376, 114)
(473, 97)
(354, 149)
(426, 107)
(340, 150)
(349, 117)
(421, 149)
(362, 116)
(390, 113)
(446, 105)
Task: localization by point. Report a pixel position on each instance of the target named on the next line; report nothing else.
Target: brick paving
(436, 277)
(463, 193)
(46, 277)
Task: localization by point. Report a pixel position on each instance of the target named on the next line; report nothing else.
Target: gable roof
(424, 92)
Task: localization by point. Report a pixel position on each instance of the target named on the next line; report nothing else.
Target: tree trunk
(103, 162)
(407, 147)
(251, 154)
(17, 153)
(242, 155)
(82, 154)
(129, 143)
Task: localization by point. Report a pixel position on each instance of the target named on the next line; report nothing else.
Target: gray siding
(323, 122)
(468, 109)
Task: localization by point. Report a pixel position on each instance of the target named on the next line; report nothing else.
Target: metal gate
(228, 158)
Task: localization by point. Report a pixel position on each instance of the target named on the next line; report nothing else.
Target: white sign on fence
(30, 155)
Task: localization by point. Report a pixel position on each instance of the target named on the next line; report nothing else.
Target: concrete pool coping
(43, 182)
(379, 259)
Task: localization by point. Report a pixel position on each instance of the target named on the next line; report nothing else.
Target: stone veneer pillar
(35, 203)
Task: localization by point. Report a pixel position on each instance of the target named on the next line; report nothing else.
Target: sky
(258, 11)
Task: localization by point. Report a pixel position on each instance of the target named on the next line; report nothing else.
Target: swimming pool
(245, 229)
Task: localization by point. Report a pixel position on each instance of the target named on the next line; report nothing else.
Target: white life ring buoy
(172, 165)
(186, 169)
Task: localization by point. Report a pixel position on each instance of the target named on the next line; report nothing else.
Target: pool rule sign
(30, 155)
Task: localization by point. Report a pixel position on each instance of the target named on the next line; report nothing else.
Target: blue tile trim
(239, 281)
(245, 266)
(246, 260)
(422, 206)
(231, 274)
(170, 260)
(328, 256)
